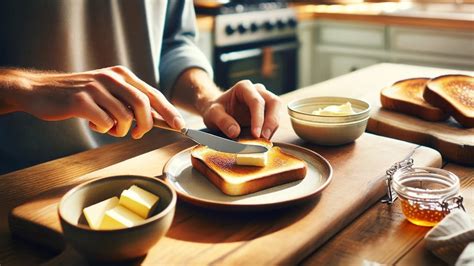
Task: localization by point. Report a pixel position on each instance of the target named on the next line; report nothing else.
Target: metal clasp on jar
(391, 194)
(456, 203)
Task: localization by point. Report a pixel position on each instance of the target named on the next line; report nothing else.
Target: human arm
(110, 98)
(186, 78)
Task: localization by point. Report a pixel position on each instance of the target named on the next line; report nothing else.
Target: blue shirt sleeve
(179, 51)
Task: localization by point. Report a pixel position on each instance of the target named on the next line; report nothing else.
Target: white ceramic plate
(194, 188)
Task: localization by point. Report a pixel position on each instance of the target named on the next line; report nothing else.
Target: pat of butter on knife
(139, 201)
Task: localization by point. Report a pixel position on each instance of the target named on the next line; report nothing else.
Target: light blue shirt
(154, 38)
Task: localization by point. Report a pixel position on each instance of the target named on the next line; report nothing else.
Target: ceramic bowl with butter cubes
(329, 121)
(118, 217)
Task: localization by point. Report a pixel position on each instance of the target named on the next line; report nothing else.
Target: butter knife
(212, 141)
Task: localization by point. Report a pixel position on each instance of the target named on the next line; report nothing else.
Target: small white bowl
(328, 130)
(118, 244)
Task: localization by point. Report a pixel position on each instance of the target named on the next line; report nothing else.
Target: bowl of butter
(118, 217)
(329, 120)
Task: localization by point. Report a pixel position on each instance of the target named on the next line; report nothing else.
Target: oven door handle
(249, 53)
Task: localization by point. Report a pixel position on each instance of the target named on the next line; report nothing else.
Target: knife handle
(163, 125)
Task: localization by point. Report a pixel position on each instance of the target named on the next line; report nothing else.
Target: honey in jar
(422, 214)
(427, 194)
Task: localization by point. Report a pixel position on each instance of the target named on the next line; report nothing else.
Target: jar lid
(425, 183)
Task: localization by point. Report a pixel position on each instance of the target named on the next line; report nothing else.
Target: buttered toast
(406, 96)
(454, 93)
(232, 179)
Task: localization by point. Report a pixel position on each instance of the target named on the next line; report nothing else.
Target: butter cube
(139, 201)
(119, 217)
(95, 213)
(252, 159)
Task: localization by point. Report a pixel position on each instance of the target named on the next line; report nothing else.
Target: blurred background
(292, 44)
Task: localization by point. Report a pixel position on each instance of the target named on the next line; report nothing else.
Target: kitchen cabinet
(305, 32)
(336, 63)
(431, 41)
(343, 47)
(351, 34)
(432, 47)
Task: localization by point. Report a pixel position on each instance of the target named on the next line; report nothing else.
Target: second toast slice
(454, 93)
(406, 96)
(232, 179)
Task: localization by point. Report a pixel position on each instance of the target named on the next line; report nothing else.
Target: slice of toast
(406, 96)
(455, 94)
(232, 179)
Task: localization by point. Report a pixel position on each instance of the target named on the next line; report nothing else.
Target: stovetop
(239, 22)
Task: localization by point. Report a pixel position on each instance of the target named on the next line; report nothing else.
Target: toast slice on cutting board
(455, 94)
(232, 179)
(406, 96)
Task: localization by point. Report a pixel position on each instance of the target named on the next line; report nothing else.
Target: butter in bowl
(117, 217)
(329, 121)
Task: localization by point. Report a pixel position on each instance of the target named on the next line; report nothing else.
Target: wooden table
(381, 234)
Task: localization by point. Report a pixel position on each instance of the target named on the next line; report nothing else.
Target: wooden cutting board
(200, 236)
(449, 138)
(453, 141)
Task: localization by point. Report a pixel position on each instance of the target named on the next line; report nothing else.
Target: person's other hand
(245, 104)
(110, 98)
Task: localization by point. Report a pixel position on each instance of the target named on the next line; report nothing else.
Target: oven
(256, 40)
(271, 63)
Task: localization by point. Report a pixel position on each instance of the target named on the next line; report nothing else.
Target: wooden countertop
(364, 12)
(380, 229)
(382, 234)
(379, 13)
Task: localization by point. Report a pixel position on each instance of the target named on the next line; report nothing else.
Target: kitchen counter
(448, 16)
(277, 238)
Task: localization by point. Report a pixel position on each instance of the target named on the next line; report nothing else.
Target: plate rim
(251, 206)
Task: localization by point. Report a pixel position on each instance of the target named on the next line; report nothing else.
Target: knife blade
(221, 144)
(212, 141)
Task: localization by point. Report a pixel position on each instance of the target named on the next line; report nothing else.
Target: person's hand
(245, 104)
(109, 98)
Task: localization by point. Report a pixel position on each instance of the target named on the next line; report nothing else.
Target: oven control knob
(242, 28)
(292, 22)
(280, 24)
(268, 25)
(229, 30)
(253, 27)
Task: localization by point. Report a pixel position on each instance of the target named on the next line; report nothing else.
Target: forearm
(14, 85)
(194, 90)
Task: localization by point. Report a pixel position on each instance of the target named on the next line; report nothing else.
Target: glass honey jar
(427, 194)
